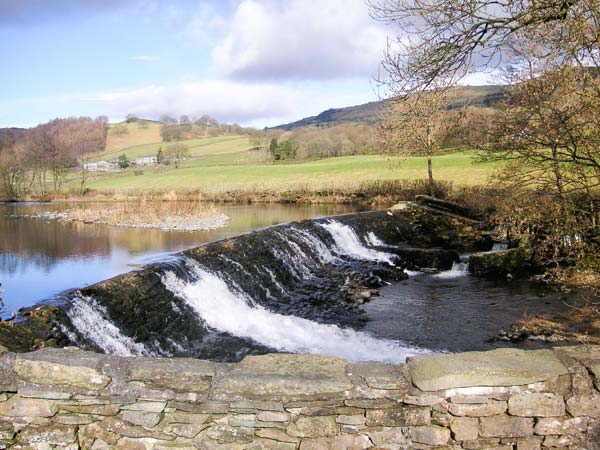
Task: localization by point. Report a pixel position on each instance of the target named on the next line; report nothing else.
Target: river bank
(168, 216)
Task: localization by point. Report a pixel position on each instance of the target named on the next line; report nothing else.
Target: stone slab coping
(500, 367)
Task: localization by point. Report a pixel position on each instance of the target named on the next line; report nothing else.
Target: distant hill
(369, 113)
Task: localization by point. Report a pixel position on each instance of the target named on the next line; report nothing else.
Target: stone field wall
(502, 399)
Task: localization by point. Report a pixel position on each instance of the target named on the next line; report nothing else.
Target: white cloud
(227, 101)
(259, 104)
(148, 58)
(300, 39)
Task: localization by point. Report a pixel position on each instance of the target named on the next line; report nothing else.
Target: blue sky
(255, 62)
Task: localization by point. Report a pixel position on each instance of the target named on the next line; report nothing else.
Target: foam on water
(459, 269)
(222, 309)
(373, 240)
(316, 245)
(348, 243)
(91, 321)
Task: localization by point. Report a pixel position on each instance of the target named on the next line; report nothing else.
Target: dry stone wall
(502, 399)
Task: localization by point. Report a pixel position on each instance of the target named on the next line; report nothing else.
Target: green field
(198, 148)
(235, 170)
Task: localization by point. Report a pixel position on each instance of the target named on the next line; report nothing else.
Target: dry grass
(142, 212)
(137, 134)
(579, 324)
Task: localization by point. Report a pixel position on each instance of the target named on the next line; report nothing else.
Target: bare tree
(451, 38)
(419, 125)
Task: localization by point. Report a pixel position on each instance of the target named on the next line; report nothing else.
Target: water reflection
(39, 259)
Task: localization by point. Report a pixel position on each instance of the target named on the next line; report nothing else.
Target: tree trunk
(429, 162)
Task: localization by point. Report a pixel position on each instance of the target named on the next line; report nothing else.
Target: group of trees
(173, 154)
(318, 142)
(173, 129)
(34, 159)
(545, 130)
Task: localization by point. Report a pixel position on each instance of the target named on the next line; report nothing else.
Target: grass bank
(235, 175)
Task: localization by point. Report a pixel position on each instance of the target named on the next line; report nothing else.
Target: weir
(295, 287)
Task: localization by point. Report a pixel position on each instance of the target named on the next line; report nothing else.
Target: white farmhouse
(146, 160)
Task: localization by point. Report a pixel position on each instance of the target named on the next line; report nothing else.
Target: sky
(253, 62)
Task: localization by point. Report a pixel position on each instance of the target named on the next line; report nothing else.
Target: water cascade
(222, 309)
(295, 287)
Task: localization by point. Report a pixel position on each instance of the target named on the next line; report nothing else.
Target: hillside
(369, 113)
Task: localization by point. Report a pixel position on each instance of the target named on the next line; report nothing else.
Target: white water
(373, 240)
(274, 280)
(498, 247)
(316, 244)
(91, 322)
(459, 269)
(223, 310)
(348, 243)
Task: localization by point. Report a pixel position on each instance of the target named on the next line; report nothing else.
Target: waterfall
(224, 310)
(459, 269)
(347, 243)
(317, 245)
(91, 321)
(372, 239)
(498, 247)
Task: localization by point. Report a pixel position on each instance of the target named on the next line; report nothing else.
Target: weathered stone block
(388, 437)
(270, 444)
(73, 419)
(49, 434)
(17, 406)
(100, 410)
(430, 435)
(584, 405)
(506, 426)
(126, 429)
(272, 416)
(464, 428)
(500, 367)
(308, 427)
(189, 375)
(530, 443)
(351, 420)
(200, 408)
(184, 417)
(380, 403)
(561, 442)
(346, 442)
(63, 367)
(186, 430)
(155, 407)
(536, 405)
(225, 434)
(289, 377)
(255, 405)
(381, 376)
(469, 399)
(142, 418)
(422, 399)
(277, 435)
(93, 432)
(479, 444)
(477, 409)
(398, 417)
(555, 425)
(326, 411)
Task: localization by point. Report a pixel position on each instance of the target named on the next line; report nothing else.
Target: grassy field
(215, 173)
(138, 133)
(228, 164)
(198, 148)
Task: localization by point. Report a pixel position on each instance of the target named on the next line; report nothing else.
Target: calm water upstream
(39, 259)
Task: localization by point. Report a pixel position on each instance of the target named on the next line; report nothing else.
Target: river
(39, 259)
